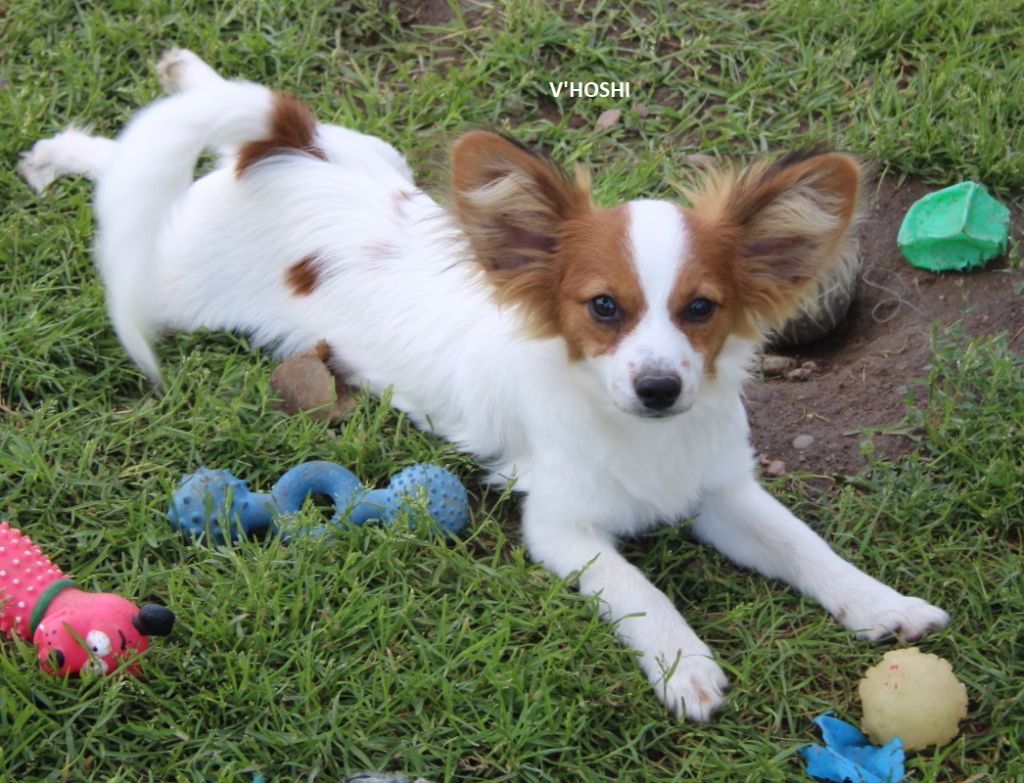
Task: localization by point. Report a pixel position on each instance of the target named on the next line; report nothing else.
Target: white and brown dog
(594, 354)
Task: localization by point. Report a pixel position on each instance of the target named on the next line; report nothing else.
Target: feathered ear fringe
(788, 226)
(513, 205)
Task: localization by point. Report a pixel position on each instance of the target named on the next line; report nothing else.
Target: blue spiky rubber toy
(447, 503)
(216, 504)
(220, 506)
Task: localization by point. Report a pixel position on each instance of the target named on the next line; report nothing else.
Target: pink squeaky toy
(72, 629)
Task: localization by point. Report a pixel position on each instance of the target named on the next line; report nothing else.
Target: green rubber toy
(955, 228)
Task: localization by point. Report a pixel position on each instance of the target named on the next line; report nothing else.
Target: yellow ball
(914, 696)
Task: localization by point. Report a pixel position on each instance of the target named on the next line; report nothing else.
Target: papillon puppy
(595, 355)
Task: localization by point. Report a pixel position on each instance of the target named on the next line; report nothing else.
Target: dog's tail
(152, 166)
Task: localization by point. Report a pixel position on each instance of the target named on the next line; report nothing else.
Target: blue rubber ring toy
(318, 477)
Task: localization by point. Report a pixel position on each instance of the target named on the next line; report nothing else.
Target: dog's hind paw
(180, 70)
(65, 153)
(71, 152)
(37, 167)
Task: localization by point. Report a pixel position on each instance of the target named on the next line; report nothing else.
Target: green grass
(386, 649)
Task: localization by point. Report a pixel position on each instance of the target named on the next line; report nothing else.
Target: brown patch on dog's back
(304, 275)
(292, 129)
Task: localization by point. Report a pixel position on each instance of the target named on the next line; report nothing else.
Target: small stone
(773, 366)
(642, 110)
(700, 160)
(775, 468)
(799, 374)
(810, 365)
(802, 442)
(607, 119)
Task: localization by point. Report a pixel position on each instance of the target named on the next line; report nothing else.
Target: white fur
(402, 307)
(70, 152)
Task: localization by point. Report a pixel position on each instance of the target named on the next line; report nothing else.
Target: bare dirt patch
(866, 367)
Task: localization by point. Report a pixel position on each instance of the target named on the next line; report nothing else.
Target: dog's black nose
(658, 392)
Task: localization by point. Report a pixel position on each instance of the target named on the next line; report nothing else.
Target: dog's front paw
(692, 685)
(180, 70)
(905, 617)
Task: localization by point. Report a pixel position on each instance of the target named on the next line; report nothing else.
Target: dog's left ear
(511, 202)
(787, 225)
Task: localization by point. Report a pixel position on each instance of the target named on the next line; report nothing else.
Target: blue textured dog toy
(322, 478)
(217, 504)
(208, 500)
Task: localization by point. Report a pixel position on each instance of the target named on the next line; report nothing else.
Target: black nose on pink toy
(658, 392)
(154, 620)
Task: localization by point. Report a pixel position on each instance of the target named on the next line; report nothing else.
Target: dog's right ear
(511, 202)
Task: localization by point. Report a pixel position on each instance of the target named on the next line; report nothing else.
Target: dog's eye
(699, 310)
(604, 309)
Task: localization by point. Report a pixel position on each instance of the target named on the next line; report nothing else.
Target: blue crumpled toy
(216, 504)
(849, 757)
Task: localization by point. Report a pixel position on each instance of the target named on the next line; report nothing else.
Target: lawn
(389, 649)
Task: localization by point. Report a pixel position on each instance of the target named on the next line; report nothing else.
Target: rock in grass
(607, 119)
(801, 442)
(304, 382)
(700, 160)
(800, 374)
